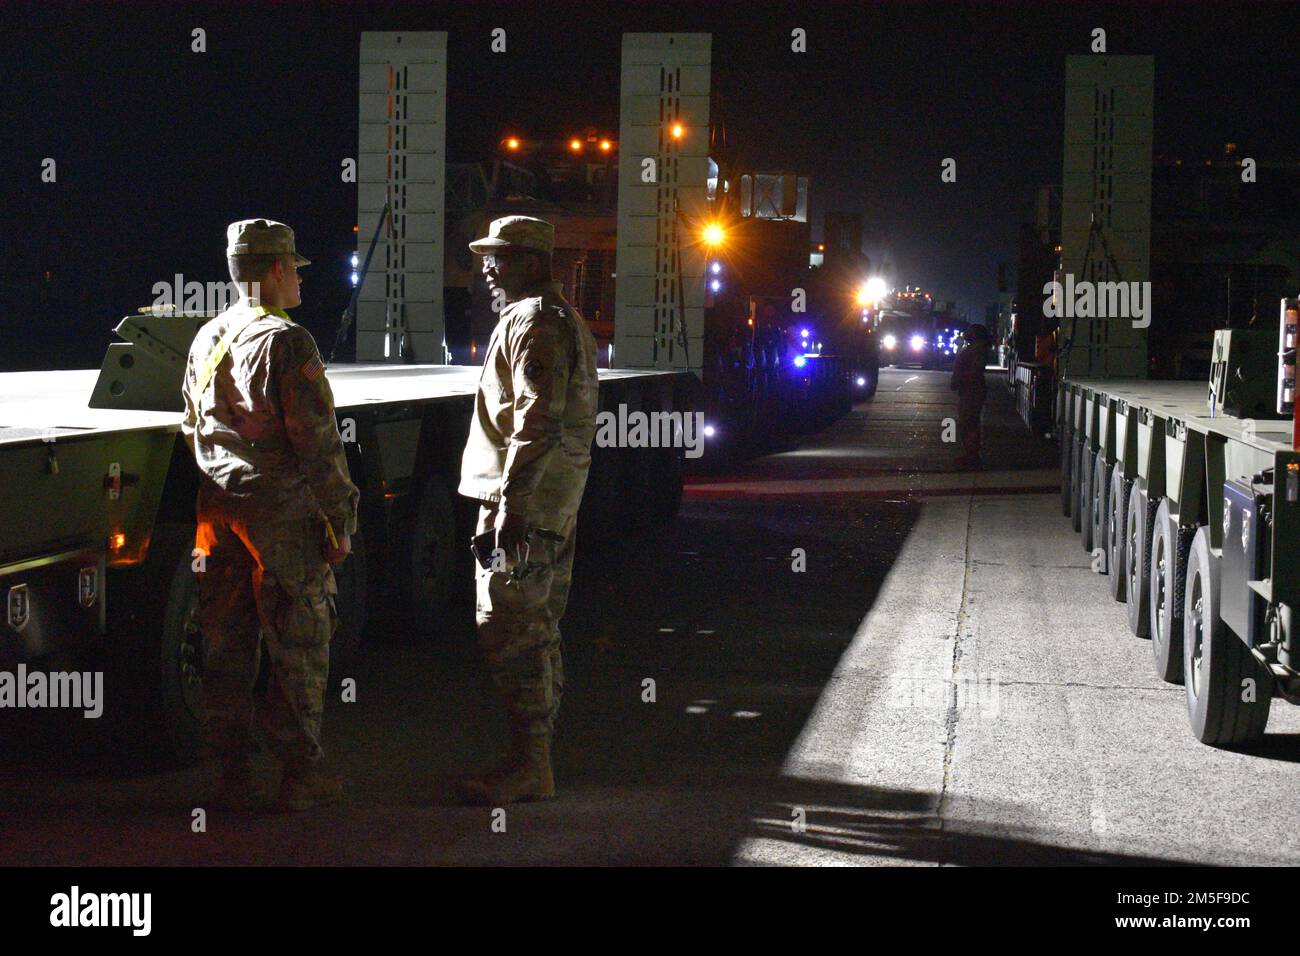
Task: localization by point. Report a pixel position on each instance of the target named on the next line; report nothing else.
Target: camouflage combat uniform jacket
(263, 432)
(529, 445)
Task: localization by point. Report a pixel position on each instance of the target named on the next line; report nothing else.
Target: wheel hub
(1198, 622)
(1160, 594)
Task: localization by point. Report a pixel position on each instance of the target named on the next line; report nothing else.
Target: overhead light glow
(714, 234)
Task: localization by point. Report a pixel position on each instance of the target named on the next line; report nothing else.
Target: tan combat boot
(525, 775)
(306, 784)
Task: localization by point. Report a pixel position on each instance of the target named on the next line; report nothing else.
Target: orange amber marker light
(117, 542)
(678, 131)
(512, 143)
(606, 145)
(575, 145)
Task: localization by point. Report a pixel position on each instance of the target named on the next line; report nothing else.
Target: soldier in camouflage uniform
(276, 509)
(526, 461)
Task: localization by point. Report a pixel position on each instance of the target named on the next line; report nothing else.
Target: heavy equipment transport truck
(1190, 503)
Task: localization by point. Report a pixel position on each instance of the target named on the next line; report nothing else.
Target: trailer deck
(38, 406)
(1186, 402)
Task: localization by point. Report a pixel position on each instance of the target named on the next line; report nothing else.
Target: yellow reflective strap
(222, 348)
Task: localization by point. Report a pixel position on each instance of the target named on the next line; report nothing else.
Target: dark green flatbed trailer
(1195, 518)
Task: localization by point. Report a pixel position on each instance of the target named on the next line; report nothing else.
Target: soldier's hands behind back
(335, 556)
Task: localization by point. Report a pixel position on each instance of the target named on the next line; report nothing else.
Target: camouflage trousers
(519, 627)
(265, 580)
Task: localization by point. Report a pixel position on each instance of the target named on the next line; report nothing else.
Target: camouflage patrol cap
(516, 232)
(262, 237)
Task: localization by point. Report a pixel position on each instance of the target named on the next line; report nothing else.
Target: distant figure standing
(968, 383)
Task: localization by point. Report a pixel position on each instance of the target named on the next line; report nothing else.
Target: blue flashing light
(800, 361)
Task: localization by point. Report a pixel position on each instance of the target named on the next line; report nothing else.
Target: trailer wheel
(1138, 526)
(1076, 481)
(1229, 692)
(1084, 507)
(1116, 536)
(1170, 545)
(427, 532)
(1067, 473)
(157, 651)
(1099, 514)
(872, 376)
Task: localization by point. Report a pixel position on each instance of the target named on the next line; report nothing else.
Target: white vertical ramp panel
(401, 160)
(1106, 201)
(659, 295)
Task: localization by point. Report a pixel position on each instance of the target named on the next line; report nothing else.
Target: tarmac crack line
(950, 719)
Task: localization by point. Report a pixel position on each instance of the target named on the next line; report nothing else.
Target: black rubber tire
(872, 375)
(1116, 518)
(1067, 473)
(156, 652)
(1217, 665)
(1138, 525)
(1099, 515)
(1170, 545)
(1084, 505)
(1076, 483)
(426, 542)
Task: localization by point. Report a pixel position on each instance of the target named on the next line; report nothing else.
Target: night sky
(158, 148)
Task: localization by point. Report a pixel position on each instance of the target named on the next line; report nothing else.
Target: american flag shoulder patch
(312, 369)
